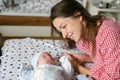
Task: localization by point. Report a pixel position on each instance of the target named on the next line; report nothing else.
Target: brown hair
(67, 8)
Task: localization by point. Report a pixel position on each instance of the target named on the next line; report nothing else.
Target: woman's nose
(64, 34)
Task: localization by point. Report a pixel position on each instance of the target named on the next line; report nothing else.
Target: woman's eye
(63, 27)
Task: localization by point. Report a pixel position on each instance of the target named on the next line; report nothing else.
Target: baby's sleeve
(67, 67)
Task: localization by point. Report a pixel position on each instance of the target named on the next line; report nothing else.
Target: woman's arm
(83, 70)
(78, 68)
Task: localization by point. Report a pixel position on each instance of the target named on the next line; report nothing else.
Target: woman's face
(69, 27)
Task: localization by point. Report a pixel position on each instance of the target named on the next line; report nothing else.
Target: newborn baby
(47, 70)
(45, 58)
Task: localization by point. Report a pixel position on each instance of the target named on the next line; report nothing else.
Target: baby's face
(45, 58)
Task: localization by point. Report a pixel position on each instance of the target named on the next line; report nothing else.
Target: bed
(19, 49)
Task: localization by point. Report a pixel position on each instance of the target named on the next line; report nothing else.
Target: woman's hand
(75, 56)
(78, 57)
(77, 67)
(81, 58)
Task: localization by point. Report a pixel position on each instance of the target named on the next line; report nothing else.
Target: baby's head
(45, 58)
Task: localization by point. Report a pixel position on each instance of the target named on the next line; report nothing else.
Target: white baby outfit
(54, 72)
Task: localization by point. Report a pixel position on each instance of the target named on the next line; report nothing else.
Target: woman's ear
(80, 18)
(78, 15)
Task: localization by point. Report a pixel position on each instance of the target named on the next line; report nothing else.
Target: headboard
(24, 20)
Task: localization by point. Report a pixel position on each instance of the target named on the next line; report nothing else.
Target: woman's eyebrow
(60, 26)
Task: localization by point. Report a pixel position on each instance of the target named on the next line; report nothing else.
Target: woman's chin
(76, 40)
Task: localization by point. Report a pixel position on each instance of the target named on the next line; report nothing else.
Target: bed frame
(10, 20)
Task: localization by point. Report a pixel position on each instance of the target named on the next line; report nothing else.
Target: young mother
(97, 36)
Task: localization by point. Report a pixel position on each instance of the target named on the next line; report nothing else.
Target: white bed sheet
(18, 51)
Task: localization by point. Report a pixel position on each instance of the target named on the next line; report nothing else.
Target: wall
(112, 11)
(25, 31)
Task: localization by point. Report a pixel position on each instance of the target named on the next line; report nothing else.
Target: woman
(97, 36)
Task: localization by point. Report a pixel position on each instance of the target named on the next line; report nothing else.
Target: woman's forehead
(57, 22)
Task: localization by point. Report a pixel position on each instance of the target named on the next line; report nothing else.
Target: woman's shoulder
(109, 24)
(108, 29)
